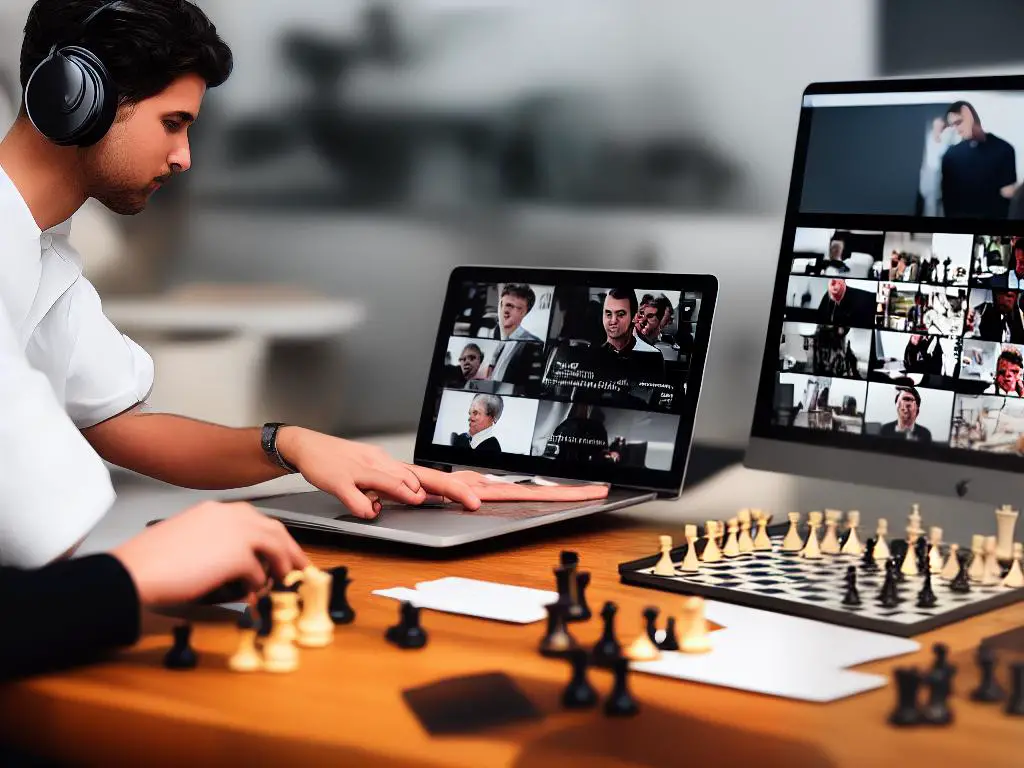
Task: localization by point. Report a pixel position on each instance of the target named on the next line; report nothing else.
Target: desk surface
(344, 706)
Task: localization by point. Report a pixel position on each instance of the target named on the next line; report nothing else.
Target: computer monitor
(895, 345)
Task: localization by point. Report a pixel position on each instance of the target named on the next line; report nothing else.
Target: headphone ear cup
(70, 98)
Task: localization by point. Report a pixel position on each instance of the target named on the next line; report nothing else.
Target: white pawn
(993, 572)
(712, 552)
(976, 573)
(853, 544)
(642, 649)
(793, 542)
(762, 541)
(811, 550)
(315, 627)
(279, 651)
(732, 544)
(909, 565)
(830, 541)
(665, 566)
(935, 553)
(691, 563)
(694, 636)
(882, 552)
(1015, 578)
(952, 566)
(746, 543)
(246, 658)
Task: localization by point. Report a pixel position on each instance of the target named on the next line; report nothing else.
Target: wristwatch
(268, 440)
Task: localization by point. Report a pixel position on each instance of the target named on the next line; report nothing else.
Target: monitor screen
(897, 326)
(586, 375)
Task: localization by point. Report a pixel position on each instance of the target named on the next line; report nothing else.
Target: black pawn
(926, 597)
(340, 611)
(852, 597)
(671, 641)
(941, 663)
(889, 596)
(1015, 706)
(868, 560)
(907, 712)
(607, 648)
(897, 560)
(264, 610)
(921, 547)
(557, 641)
(565, 577)
(962, 583)
(937, 711)
(181, 655)
(579, 694)
(989, 689)
(620, 702)
(650, 623)
(582, 582)
(407, 633)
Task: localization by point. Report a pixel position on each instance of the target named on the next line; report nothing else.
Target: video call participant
(842, 305)
(652, 318)
(624, 355)
(979, 175)
(484, 413)
(908, 406)
(923, 354)
(582, 436)
(1014, 275)
(468, 370)
(1002, 320)
(1008, 379)
(833, 354)
(516, 302)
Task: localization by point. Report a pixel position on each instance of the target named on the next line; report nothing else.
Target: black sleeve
(64, 614)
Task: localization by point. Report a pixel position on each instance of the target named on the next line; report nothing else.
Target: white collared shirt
(53, 326)
(480, 436)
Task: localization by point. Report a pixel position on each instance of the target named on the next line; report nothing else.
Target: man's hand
(498, 490)
(206, 547)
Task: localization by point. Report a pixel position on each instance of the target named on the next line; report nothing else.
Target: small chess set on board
(899, 587)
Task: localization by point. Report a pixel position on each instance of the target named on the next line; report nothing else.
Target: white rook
(1006, 521)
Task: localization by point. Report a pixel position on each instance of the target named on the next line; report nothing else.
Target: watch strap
(268, 441)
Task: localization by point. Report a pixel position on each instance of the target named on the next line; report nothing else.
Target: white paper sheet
(472, 597)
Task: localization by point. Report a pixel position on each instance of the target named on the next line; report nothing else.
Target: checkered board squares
(813, 589)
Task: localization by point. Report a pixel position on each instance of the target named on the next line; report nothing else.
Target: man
(1002, 320)
(516, 302)
(1014, 275)
(979, 175)
(484, 413)
(1008, 374)
(162, 56)
(652, 317)
(842, 305)
(908, 405)
(922, 354)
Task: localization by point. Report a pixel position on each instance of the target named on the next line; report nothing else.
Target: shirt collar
(480, 436)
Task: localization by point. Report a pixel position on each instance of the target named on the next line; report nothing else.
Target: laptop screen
(585, 375)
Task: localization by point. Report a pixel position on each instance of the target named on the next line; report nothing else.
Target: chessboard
(786, 583)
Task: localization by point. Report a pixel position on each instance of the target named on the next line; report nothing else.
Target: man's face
(837, 289)
(1018, 263)
(617, 322)
(147, 144)
(915, 338)
(648, 324)
(835, 250)
(512, 310)
(963, 122)
(469, 362)
(478, 418)
(906, 408)
(1007, 375)
(1004, 301)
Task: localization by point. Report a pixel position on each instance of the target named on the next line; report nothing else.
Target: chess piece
(976, 573)
(315, 627)
(961, 582)
(851, 597)
(1015, 576)
(583, 610)
(907, 712)
(691, 563)
(607, 648)
(246, 658)
(889, 595)
(936, 711)
(181, 655)
(557, 641)
(926, 597)
(830, 541)
(811, 550)
(745, 542)
(565, 578)
(665, 566)
(867, 561)
(579, 693)
(712, 552)
(993, 573)
(620, 703)
(1006, 520)
(694, 635)
(989, 690)
(642, 649)
(1015, 705)
(852, 545)
(340, 611)
(909, 565)
(914, 520)
(671, 640)
(265, 620)
(732, 544)
(407, 633)
(279, 651)
(650, 622)
(941, 663)
(952, 566)
(762, 541)
(881, 546)
(899, 552)
(793, 542)
(935, 550)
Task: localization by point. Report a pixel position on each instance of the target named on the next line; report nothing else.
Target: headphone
(70, 97)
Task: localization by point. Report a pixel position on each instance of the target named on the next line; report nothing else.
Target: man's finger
(517, 492)
(389, 485)
(354, 499)
(449, 486)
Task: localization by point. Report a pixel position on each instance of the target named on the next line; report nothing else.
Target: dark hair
(913, 393)
(1011, 355)
(472, 346)
(620, 294)
(145, 46)
(956, 106)
(660, 303)
(522, 290)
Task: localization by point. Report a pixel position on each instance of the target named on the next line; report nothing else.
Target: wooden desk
(344, 705)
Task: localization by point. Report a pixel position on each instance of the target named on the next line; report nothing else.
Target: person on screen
(979, 175)
(908, 406)
(624, 355)
(484, 413)
(516, 302)
(652, 317)
(842, 305)
(1014, 275)
(582, 437)
(923, 354)
(1008, 379)
(1002, 320)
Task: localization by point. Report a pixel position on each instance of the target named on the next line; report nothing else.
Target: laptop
(546, 376)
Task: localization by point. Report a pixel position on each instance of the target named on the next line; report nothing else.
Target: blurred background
(362, 149)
